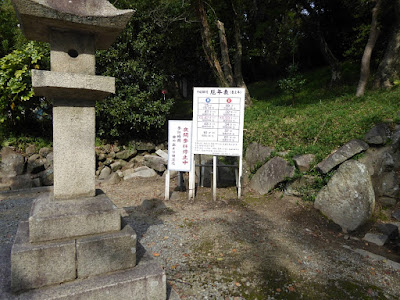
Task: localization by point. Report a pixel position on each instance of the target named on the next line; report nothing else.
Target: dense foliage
(163, 48)
(145, 62)
(19, 109)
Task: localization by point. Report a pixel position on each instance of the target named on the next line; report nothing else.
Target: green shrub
(293, 83)
(19, 109)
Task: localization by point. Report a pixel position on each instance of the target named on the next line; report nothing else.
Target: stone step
(56, 220)
(146, 281)
(35, 265)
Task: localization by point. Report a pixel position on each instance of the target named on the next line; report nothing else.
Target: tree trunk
(208, 47)
(238, 62)
(366, 59)
(336, 72)
(226, 63)
(389, 68)
(330, 58)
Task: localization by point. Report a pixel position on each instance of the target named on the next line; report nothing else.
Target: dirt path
(263, 247)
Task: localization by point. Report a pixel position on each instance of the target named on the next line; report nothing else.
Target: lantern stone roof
(98, 17)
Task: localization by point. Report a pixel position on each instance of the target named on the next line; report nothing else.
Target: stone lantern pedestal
(73, 245)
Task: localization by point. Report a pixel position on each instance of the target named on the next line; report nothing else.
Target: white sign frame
(218, 121)
(176, 143)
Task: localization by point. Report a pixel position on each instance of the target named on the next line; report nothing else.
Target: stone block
(275, 171)
(74, 128)
(71, 85)
(257, 154)
(98, 17)
(72, 52)
(155, 162)
(141, 172)
(37, 265)
(344, 153)
(54, 220)
(106, 253)
(377, 239)
(12, 163)
(146, 281)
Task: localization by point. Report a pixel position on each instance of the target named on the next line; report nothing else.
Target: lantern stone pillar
(73, 246)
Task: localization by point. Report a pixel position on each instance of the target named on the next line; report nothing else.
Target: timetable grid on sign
(218, 119)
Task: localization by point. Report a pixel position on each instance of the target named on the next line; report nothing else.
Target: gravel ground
(263, 247)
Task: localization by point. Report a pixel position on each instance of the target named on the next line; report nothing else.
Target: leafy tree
(18, 107)
(144, 61)
(293, 83)
(10, 35)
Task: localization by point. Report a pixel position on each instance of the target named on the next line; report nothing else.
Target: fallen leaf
(220, 258)
(166, 237)
(237, 284)
(291, 288)
(155, 254)
(278, 290)
(234, 250)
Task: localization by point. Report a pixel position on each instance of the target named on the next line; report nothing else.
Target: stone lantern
(73, 245)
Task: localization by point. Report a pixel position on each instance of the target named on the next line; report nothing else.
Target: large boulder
(47, 177)
(30, 150)
(348, 199)
(117, 165)
(162, 154)
(155, 162)
(144, 146)
(303, 162)
(378, 135)
(344, 153)
(275, 171)
(257, 154)
(44, 151)
(126, 154)
(36, 164)
(49, 160)
(104, 173)
(381, 165)
(387, 185)
(20, 182)
(143, 172)
(12, 163)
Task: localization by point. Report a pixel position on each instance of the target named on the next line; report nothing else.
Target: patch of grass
(322, 120)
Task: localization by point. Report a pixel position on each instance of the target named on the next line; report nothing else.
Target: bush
(139, 108)
(293, 83)
(19, 108)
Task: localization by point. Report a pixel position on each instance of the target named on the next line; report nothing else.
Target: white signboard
(218, 118)
(179, 145)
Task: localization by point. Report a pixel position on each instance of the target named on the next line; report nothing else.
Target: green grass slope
(322, 119)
